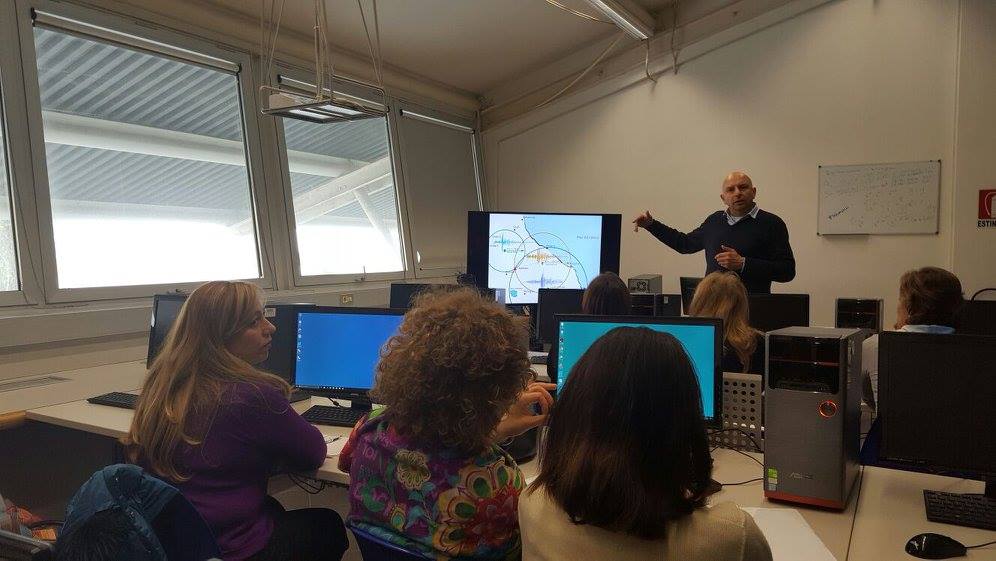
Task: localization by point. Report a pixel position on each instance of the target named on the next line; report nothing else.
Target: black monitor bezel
(477, 238)
(417, 287)
(787, 297)
(551, 324)
(687, 292)
(906, 341)
(150, 354)
(353, 394)
(711, 422)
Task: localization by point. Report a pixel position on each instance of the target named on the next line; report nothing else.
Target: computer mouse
(935, 546)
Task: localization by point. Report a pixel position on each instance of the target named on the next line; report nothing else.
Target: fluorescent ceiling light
(327, 110)
(629, 16)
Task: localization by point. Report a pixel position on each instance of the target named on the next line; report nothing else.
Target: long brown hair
(930, 296)
(722, 295)
(458, 363)
(188, 376)
(606, 295)
(627, 449)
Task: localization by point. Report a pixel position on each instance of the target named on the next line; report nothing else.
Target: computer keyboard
(976, 511)
(115, 399)
(334, 416)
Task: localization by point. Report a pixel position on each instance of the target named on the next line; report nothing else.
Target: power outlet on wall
(345, 299)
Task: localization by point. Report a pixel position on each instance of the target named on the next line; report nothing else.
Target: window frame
(19, 168)
(349, 87)
(150, 36)
(420, 112)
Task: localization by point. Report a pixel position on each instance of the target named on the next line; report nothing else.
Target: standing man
(743, 238)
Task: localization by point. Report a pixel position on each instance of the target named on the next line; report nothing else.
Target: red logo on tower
(987, 208)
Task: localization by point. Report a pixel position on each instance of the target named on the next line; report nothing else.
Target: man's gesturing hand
(730, 259)
(642, 221)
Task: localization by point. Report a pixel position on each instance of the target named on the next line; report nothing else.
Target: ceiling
(471, 45)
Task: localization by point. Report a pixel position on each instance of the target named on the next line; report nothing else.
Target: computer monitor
(338, 349)
(775, 311)
(15, 547)
(518, 253)
(402, 294)
(977, 317)
(280, 361)
(701, 337)
(936, 394)
(552, 302)
(165, 308)
(688, 286)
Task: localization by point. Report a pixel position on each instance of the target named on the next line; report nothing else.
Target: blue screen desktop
(341, 350)
(699, 341)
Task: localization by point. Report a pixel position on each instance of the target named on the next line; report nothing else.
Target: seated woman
(929, 301)
(426, 472)
(606, 295)
(627, 464)
(722, 295)
(215, 427)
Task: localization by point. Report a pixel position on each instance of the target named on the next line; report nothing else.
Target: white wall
(852, 81)
(975, 144)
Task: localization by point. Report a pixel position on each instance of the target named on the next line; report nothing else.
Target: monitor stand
(963, 509)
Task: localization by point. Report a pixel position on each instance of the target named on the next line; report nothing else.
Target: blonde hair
(192, 369)
(722, 295)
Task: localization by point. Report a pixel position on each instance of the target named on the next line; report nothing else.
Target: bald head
(738, 193)
(735, 177)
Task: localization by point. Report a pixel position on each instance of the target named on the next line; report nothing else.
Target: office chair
(373, 548)
(164, 524)
(20, 548)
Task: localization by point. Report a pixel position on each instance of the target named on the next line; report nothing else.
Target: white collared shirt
(731, 220)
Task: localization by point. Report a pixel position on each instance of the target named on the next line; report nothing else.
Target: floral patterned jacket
(438, 502)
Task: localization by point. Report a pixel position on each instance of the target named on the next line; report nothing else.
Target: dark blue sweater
(763, 241)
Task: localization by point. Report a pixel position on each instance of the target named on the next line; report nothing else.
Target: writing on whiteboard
(880, 198)
(838, 213)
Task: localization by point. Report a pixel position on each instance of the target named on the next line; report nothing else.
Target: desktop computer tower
(864, 313)
(812, 419)
(648, 284)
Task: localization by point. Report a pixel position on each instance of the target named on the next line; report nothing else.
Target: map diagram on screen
(527, 252)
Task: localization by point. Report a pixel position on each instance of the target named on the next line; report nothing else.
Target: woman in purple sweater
(216, 427)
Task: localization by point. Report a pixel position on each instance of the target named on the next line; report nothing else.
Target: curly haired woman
(426, 472)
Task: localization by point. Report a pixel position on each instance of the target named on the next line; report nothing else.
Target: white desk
(885, 510)
(832, 527)
(79, 384)
(890, 512)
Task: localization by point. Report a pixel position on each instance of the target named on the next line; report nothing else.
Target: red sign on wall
(987, 208)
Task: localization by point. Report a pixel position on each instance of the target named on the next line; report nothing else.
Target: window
(345, 205)
(147, 175)
(440, 164)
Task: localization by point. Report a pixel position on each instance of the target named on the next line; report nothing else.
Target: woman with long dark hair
(626, 466)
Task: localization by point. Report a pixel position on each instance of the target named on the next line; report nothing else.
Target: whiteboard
(899, 198)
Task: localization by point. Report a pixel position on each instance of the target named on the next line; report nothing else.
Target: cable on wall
(646, 63)
(585, 72)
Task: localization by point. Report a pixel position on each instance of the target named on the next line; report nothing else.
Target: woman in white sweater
(627, 464)
(929, 301)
